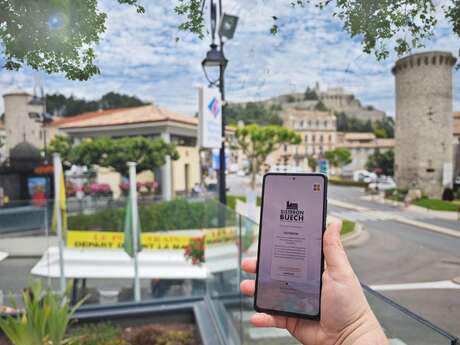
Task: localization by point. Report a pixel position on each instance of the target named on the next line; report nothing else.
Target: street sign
(210, 117)
(324, 166)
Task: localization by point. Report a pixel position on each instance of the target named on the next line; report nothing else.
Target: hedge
(340, 182)
(177, 214)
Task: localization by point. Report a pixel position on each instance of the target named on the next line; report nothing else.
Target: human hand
(346, 317)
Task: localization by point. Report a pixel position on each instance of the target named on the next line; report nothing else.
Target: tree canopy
(338, 157)
(59, 36)
(381, 163)
(257, 142)
(70, 106)
(56, 36)
(381, 128)
(149, 154)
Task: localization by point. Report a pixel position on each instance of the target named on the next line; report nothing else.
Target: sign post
(58, 214)
(134, 228)
(324, 166)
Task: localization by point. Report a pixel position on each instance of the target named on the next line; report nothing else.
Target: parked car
(457, 183)
(364, 176)
(382, 184)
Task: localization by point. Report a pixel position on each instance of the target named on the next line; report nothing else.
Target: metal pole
(135, 228)
(45, 149)
(57, 209)
(222, 184)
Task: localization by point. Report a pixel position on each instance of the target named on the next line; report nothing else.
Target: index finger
(249, 265)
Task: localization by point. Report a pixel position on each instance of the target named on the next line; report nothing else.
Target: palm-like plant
(44, 319)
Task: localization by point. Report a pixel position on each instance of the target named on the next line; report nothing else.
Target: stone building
(2, 141)
(456, 131)
(18, 125)
(361, 146)
(317, 130)
(423, 148)
(338, 99)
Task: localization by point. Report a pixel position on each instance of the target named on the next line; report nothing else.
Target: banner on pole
(210, 117)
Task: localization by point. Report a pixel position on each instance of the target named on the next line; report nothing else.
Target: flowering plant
(194, 251)
(98, 189)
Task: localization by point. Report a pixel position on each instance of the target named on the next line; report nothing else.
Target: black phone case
(279, 312)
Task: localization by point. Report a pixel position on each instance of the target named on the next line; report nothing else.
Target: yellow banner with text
(152, 240)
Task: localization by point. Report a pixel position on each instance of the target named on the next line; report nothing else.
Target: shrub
(448, 194)
(169, 215)
(157, 335)
(231, 200)
(98, 334)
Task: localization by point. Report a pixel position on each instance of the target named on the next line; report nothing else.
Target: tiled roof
(122, 116)
(373, 143)
(359, 136)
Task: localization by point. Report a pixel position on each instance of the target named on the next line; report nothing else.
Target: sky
(139, 55)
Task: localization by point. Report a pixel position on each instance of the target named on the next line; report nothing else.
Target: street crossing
(368, 215)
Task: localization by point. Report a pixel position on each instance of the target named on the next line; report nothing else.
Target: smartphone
(290, 254)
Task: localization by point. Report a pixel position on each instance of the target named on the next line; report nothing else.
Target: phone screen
(290, 245)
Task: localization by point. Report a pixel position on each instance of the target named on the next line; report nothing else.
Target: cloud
(139, 55)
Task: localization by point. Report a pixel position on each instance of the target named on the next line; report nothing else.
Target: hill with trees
(58, 104)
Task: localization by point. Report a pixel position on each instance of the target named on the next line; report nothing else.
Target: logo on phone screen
(316, 187)
(292, 213)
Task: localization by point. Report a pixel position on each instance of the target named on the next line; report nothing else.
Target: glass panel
(24, 236)
(403, 327)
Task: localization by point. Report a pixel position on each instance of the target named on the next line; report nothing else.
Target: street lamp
(214, 65)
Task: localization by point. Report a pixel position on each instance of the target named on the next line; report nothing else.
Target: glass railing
(192, 248)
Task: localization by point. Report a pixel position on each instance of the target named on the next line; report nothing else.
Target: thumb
(336, 259)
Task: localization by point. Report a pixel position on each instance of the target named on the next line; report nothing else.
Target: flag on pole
(62, 207)
(128, 244)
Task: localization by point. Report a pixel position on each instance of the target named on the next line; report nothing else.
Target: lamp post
(215, 61)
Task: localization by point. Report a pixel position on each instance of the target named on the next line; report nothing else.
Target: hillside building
(338, 99)
(361, 146)
(318, 134)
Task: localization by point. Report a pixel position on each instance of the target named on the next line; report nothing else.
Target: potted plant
(194, 251)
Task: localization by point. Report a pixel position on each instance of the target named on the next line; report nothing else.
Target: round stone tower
(423, 121)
